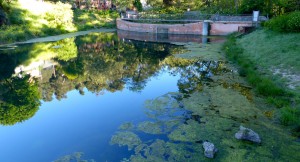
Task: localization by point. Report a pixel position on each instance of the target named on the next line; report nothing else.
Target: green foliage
(90, 19)
(123, 4)
(138, 5)
(9, 34)
(20, 101)
(248, 6)
(290, 116)
(61, 17)
(66, 49)
(6, 5)
(56, 19)
(285, 23)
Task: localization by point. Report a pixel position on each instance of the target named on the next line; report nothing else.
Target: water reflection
(19, 99)
(99, 62)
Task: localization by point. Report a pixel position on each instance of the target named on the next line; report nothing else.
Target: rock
(209, 149)
(247, 134)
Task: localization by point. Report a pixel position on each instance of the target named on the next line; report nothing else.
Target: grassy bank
(270, 62)
(31, 19)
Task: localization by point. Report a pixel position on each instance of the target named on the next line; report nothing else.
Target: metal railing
(186, 17)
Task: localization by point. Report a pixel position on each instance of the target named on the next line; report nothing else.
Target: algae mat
(212, 103)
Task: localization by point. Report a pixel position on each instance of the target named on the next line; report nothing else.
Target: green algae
(126, 138)
(189, 132)
(76, 156)
(150, 127)
(161, 103)
(218, 124)
(126, 126)
(221, 105)
(166, 151)
(209, 51)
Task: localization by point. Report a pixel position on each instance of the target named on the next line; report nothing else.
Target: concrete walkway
(58, 37)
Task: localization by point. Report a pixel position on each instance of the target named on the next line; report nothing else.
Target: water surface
(104, 97)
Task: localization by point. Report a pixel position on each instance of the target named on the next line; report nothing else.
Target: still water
(128, 97)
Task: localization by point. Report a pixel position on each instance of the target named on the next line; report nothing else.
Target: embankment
(270, 62)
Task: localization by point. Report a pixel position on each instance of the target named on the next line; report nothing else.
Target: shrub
(285, 23)
(61, 16)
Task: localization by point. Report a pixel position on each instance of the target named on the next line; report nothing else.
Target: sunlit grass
(31, 19)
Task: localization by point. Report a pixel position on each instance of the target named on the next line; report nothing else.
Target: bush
(61, 17)
(285, 23)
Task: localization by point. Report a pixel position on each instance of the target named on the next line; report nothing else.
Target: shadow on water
(211, 103)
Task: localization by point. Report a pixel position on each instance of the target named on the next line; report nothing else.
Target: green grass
(84, 19)
(257, 54)
(27, 20)
(269, 49)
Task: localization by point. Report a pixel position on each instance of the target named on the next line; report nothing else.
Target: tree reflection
(19, 100)
(98, 62)
(105, 63)
(194, 73)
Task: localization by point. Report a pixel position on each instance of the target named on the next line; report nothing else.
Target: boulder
(209, 149)
(247, 134)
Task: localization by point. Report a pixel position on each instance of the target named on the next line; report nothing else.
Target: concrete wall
(191, 28)
(215, 28)
(225, 28)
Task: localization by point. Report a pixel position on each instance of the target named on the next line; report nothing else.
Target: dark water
(102, 97)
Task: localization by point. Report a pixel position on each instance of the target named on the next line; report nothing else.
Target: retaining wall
(215, 27)
(191, 28)
(225, 28)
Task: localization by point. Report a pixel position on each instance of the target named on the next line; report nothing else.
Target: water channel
(111, 97)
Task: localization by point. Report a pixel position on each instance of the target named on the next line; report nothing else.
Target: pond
(110, 97)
